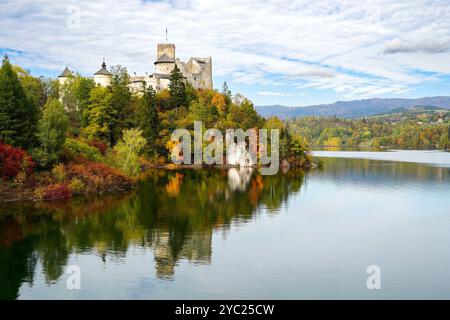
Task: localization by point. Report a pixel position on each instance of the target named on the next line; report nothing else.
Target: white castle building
(196, 71)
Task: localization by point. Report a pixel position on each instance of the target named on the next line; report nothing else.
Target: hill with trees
(352, 109)
(421, 130)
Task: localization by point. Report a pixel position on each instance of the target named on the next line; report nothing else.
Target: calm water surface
(432, 157)
(235, 234)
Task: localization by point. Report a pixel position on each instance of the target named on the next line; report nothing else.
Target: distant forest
(425, 130)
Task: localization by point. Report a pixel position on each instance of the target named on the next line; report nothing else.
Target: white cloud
(399, 46)
(346, 46)
(274, 94)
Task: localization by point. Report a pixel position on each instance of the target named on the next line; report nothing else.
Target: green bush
(75, 148)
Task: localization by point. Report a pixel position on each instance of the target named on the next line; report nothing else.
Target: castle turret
(165, 58)
(62, 78)
(103, 77)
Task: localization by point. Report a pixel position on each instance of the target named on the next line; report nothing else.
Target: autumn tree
(444, 141)
(244, 115)
(274, 123)
(200, 111)
(218, 100)
(448, 133)
(163, 100)
(99, 115)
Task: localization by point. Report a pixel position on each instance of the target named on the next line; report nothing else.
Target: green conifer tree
(120, 103)
(177, 89)
(18, 116)
(226, 91)
(147, 118)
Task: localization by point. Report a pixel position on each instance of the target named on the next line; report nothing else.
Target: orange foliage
(98, 176)
(256, 189)
(218, 100)
(56, 191)
(174, 184)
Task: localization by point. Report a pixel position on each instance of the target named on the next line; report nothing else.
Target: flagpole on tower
(166, 34)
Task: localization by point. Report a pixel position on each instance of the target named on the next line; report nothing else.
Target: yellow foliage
(59, 172)
(333, 142)
(218, 100)
(170, 145)
(77, 186)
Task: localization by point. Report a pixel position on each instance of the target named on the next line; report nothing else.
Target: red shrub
(56, 191)
(13, 161)
(102, 147)
(98, 176)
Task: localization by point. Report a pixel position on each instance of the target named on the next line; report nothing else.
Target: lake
(233, 234)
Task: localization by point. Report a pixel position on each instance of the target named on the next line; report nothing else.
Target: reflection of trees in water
(174, 212)
(47, 232)
(383, 173)
(17, 265)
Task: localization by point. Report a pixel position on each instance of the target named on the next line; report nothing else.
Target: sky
(293, 53)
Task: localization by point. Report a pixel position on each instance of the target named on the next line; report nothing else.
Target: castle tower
(62, 78)
(165, 58)
(103, 77)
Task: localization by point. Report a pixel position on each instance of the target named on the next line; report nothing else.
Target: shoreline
(11, 192)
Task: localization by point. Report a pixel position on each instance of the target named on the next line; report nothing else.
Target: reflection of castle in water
(239, 178)
(197, 249)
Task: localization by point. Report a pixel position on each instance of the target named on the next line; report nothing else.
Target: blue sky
(273, 52)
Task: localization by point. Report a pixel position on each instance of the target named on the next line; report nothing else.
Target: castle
(196, 71)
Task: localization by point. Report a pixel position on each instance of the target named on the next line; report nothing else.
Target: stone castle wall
(197, 71)
(164, 68)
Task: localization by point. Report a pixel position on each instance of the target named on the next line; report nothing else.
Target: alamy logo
(243, 148)
(73, 282)
(74, 19)
(374, 280)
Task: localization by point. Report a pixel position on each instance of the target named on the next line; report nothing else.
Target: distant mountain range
(354, 108)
